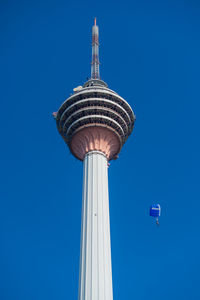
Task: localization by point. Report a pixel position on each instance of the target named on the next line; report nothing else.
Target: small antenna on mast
(95, 51)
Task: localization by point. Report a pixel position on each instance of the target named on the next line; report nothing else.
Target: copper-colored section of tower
(95, 138)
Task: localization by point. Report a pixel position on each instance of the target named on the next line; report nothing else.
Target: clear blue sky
(150, 55)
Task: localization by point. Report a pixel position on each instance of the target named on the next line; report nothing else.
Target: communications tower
(95, 122)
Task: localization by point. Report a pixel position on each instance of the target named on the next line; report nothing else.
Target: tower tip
(95, 51)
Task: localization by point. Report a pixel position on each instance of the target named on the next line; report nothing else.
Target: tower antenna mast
(95, 52)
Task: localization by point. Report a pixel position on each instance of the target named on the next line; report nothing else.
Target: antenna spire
(95, 52)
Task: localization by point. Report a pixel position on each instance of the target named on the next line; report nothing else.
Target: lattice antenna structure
(95, 52)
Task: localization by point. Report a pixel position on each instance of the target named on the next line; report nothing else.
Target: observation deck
(95, 118)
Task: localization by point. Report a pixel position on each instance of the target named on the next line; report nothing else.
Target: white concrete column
(95, 277)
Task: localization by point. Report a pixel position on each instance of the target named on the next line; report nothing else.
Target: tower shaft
(95, 52)
(95, 274)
